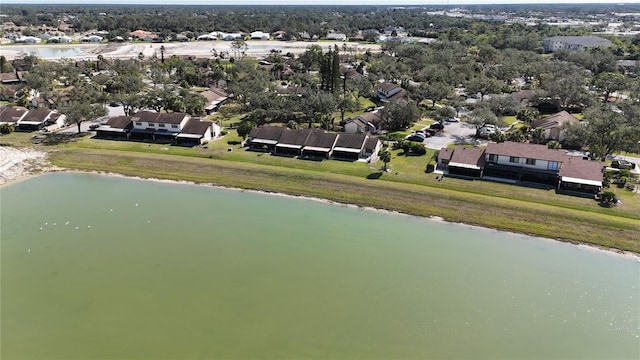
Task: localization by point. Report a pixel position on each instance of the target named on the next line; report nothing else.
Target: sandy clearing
(256, 48)
(16, 163)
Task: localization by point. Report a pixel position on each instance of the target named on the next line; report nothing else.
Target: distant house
(556, 43)
(4, 41)
(387, 91)
(232, 36)
(11, 115)
(181, 38)
(144, 35)
(279, 35)
(28, 40)
(259, 35)
(553, 125)
(38, 119)
(362, 124)
(207, 37)
(395, 31)
(8, 92)
(59, 39)
(215, 97)
(92, 38)
(522, 163)
(336, 36)
(13, 77)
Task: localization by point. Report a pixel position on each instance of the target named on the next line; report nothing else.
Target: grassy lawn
(405, 188)
(509, 119)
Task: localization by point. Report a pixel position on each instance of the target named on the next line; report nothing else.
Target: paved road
(453, 133)
(84, 127)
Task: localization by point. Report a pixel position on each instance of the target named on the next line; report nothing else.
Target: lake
(50, 52)
(95, 266)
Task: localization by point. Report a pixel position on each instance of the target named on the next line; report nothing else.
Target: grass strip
(569, 223)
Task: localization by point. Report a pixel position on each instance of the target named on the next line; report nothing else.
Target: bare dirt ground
(17, 163)
(256, 48)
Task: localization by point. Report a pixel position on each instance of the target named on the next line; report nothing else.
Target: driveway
(453, 133)
(84, 127)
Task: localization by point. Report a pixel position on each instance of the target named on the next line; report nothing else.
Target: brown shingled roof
(468, 155)
(294, 136)
(321, 139)
(266, 132)
(351, 141)
(196, 127)
(445, 154)
(11, 114)
(524, 150)
(577, 167)
(555, 120)
(120, 122)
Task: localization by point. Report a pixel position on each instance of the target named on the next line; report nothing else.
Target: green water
(192, 271)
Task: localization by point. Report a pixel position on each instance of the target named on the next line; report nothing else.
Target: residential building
(336, 36)
(553, 125)
(11, 115)
(522, 163)
(38, 119)
(556, 43)
(387, 91)
(314, 143)
(364, 123)
(259, 35)
(215, 97)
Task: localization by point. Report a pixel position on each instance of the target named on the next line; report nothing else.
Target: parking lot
(453, 133)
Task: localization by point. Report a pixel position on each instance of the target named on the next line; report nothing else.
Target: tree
(5, 66)
(399, 115)
(484, 85)
(244, 128)
(437, 91)
(79, 112)
(385, 156)
(443, 113)
(482, 116)
(346, 102)
(239, 48)
(609, 82)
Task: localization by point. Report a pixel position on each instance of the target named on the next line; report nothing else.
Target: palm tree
(385, 156)
(162, 53)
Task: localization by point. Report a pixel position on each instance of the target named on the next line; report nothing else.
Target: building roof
(196, 127)
(321, 139)
(471, 156)
(37, 115)
(11, 114)
(120, 122)
(581, 40)
(351, 141)
(524, 150)
(555, 120)
(166, 118)
(578, 168)
(527, 94)
(387, 86)
(294, 136)
(371, 143)
(266, 132)
(445, 154)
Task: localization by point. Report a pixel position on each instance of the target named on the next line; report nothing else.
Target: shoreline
(21, 170)
(572, 243)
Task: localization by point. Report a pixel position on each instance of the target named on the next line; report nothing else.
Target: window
(138, 123)
(160, 125)
(493, 158)
(552, 165)
(531, 161)
(514, 159)
(174, 126)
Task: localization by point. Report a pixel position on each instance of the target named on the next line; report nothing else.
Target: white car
(452, 119)
(486, 130)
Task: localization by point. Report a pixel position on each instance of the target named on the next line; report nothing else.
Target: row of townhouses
(31, 120)
(314, 143)
(522, 163)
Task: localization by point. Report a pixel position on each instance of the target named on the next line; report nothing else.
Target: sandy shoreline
(256, 48)
(17, 164)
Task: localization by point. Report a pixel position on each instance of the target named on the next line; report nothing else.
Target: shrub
(7, 128)
(417, 149)
(234, 142)
(608, 198)
(223, 132)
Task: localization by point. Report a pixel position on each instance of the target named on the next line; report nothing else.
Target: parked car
(623, 164)
(94, 126)
(452, 119)
(424, 132)
(431, 132)
(486, 130)
(436, 126)
(418, 137)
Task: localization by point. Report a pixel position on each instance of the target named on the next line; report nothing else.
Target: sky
(322, 2)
